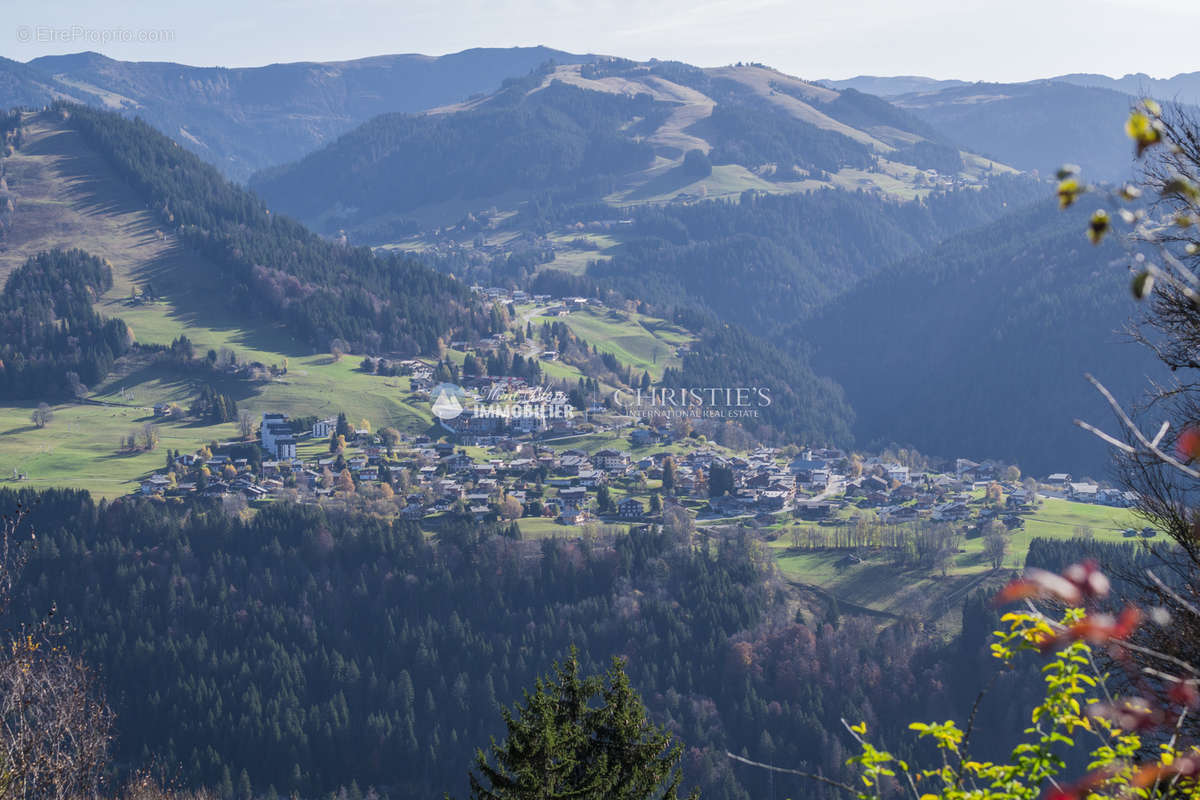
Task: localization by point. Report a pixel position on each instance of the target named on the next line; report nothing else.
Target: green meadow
(645, 343)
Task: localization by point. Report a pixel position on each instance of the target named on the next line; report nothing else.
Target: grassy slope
(67, 196)
(645, 343)
(882, 587)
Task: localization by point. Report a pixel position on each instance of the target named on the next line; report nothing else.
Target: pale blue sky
(970, 39)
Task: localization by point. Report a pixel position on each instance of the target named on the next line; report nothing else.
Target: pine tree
(560, 746)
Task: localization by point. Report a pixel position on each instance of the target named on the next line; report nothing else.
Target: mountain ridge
(1182, 87)
(754, 127)
(245, 118)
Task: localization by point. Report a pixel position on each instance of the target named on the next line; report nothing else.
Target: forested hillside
(768, 259)
(560, 139)
(305, 650)
(978, 347)
(273, 265)
(805, 406)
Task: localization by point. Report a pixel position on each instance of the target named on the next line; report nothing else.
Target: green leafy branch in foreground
(1133, 743)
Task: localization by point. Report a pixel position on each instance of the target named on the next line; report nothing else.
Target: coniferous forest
(306, 651)
(49, 331)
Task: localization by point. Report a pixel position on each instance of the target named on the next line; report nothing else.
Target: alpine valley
(244, 309)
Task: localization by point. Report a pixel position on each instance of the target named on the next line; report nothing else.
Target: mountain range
(1182, 88)
(244, 119)
(776, 219)
(622, 133)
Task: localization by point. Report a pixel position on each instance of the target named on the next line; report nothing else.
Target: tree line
(275, 267)
(307, 649)
(53, 344)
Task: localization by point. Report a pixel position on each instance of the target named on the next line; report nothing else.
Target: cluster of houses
(1061, 484)
(524, 476)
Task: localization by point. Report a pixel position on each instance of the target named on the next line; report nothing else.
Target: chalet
(610, 460)
(962, 466)
(519, 466)
(809, 510)
(1083, 492)
(457, 462)
(820, 478)
(876, 499)
(1016, 500)
(873, 483)
(1059, 479)
(631, 508)
(589, 478)
(572, 496)
(155, 484)
(950, 512)
(571, 464)
(572, 516)
(641, 437)
(772, 500)
(759, 480)
(1113, 497)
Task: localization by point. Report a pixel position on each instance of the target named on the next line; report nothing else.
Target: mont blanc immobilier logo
(502, 400)
(448, 400)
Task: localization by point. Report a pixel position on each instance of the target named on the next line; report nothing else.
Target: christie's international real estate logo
(714, 402)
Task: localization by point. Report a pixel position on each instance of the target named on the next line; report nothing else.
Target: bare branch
(1137, 433)
(845, 787)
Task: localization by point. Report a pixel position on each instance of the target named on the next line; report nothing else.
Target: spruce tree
(560, 745)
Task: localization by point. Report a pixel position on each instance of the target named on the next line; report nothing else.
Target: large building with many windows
(277, 438)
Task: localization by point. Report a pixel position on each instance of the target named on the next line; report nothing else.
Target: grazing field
(1057, 518)
(645, 343)
(80, 447)
(879, 586)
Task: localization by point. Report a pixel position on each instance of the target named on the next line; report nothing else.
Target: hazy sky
(970, 39)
